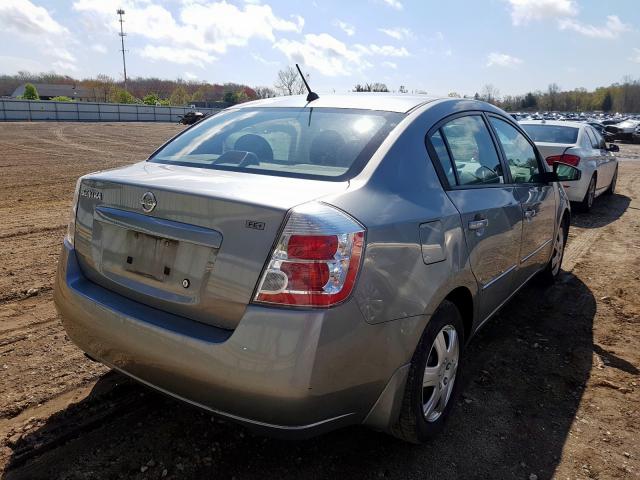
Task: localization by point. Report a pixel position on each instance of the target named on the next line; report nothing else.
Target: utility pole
(120, 12)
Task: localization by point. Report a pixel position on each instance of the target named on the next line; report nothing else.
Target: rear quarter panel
(397, 192)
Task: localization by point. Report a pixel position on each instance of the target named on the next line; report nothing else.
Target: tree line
(623, 97)
(151, 91)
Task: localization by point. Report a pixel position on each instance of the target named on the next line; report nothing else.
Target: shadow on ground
(606, 209)
(523, 381)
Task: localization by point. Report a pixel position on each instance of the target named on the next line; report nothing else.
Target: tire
(589, 197)
(436, 361)
(612, 186)
(550, 274)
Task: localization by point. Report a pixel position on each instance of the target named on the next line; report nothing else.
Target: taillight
(565, 158)
(71, 226)
(316, 260)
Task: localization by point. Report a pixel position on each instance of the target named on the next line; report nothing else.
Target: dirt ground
(552, 384)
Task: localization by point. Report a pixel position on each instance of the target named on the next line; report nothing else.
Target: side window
(585, 140)
(474, 154)
(599, 139)
(520, 154)
(592, 137)
(443, 157)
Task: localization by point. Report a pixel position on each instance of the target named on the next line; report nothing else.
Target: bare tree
(553, 92)
(371, 87)
(489, 93)
(289, 82)
(265, 92)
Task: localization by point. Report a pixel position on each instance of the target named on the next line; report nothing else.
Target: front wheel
(431, 387)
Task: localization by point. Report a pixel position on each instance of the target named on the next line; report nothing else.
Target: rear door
(606, 163)
(598, 159)
(473, 174)
(537, 198)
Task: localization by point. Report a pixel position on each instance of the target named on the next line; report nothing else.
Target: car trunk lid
(200, 249)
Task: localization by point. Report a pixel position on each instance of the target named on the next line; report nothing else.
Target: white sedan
(580, 145)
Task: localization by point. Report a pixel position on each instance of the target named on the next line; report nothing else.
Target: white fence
(42, 110)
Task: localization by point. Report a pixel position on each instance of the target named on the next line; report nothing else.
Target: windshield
(327, 143)
(551, 133)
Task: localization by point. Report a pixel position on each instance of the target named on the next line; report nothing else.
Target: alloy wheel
(558, 249)
(440, 373)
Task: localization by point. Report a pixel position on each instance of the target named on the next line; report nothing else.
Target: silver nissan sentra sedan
(301, 266)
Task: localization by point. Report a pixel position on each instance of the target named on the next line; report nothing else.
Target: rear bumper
(288, 372)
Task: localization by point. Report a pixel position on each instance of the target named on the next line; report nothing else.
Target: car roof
(555, 123)
(401, 103)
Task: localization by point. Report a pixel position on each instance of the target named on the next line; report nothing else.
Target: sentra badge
(91, 193)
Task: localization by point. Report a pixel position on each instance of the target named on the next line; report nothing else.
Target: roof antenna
(311, 96)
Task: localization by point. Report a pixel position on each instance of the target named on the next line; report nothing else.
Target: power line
(120, 12)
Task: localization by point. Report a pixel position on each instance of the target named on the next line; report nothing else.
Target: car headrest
(325, 148)
(255, 144)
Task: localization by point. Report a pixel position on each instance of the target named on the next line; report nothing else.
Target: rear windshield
(295, 142)
(551, 133)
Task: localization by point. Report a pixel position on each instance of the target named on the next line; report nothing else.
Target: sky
(430, 46)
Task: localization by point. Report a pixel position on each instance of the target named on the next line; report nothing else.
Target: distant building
(48, 91)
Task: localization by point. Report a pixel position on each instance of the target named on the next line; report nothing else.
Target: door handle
(529, 214)
(478, 224)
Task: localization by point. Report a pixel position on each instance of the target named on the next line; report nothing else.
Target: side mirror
(566, 173)
(613, 147)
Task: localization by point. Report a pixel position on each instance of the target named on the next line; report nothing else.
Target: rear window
(551, 133)
(326, 143)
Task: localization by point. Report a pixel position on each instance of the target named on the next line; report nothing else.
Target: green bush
(118, 95)
(151, 99)
(30, 92)
(62, 98)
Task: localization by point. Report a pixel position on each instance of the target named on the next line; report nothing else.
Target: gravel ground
(551, 384)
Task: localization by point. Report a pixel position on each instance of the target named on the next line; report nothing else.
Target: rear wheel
(589, 197)
(612, 186)
(431, 386)
(551, 272)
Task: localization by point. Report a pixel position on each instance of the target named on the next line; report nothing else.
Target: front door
(490, 211)
(537, 199)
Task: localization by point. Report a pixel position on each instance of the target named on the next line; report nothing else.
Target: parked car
(190, 118)
(582, 146)
(301, 266)
(602, 130)
(623, 130)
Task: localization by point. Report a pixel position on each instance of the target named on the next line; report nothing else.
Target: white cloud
(524, 11)
(263, 60)
(347, 28)
(399, 33)
(393, 4)
(34, 24)
(613, 28)
(323, 53)
(190, 76)
(636, 55)
(98, 47)
(332, 57)
(384, 50)
(15, 64)
(502, 60)
(25, 18)
(180, 55)
(208, 27)
(63, 66)
(391, 65)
